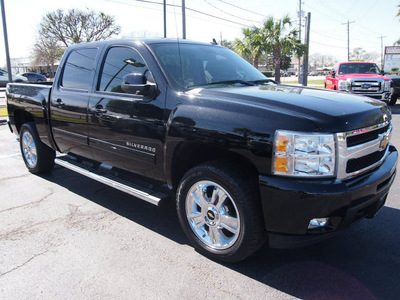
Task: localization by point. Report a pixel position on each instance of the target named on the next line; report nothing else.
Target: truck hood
(311, 109)
(364, 76)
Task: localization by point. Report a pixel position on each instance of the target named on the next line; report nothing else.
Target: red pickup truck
(363, 78)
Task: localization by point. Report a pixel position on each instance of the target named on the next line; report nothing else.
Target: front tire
(220, 212)
(393, 99)
(38, 157)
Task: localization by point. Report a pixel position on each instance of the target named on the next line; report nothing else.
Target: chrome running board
(111, 181)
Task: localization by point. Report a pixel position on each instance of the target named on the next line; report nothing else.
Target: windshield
(358, 68)
(193, 65)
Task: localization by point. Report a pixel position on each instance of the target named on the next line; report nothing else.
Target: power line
(313, 42)
(179, 6)
(225, 12)
(242, 8)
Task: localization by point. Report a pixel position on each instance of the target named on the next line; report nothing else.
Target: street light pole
(3, 15)
(183, 20)
(165, 18)
(381, 37)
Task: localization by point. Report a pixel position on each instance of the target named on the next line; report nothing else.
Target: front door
(126, 130)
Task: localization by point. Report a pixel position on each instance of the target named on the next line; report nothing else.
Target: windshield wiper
(227, 82)
(256, 82)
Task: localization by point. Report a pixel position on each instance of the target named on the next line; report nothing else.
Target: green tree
(358, 54)
(251, 46)
(279, 40)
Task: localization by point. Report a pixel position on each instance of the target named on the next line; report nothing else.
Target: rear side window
(119, 62)
(78, 69)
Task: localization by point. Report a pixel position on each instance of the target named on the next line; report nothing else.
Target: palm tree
(251, 45)
(279, 41)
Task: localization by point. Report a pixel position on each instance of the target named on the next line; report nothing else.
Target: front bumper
(289, 204)
(384, 96)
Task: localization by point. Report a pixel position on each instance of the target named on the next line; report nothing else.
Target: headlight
(343, 85)
(303, 154)
(387, 86)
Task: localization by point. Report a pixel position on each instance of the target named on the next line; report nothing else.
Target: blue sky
(372, 19)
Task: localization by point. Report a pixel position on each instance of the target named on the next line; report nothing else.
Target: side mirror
(333, 73)
(382, 72)
(136, 83)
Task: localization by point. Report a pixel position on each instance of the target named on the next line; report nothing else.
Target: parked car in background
(362, 78)
(4, 78)
(34, 77)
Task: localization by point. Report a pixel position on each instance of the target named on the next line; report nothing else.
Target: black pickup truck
(247, 160)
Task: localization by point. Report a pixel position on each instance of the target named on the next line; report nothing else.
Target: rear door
(69, 101)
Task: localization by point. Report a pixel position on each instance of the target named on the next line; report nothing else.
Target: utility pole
(183, 20)
(348, 38)
(165, 18)
(307, 42)
(3, 15)
(300, 14)
(381, 37)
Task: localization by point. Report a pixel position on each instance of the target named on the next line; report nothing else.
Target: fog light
(387, 96)
(318, 223)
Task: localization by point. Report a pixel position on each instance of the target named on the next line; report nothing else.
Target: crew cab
(361, 78)
(247, 161)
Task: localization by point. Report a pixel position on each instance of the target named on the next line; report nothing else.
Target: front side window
(78, 69)
(119, 62)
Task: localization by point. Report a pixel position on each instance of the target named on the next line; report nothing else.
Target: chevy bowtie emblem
(211, 215)
(384, 142)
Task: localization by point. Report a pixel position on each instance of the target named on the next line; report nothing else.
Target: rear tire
(38, 157)
(219, 210)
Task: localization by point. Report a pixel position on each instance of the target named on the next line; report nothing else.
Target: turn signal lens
(282, 143)
(281, 164)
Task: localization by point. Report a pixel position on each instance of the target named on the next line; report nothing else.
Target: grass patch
(3, 112)
(317, 83)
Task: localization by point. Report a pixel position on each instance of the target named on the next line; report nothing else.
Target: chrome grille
(363, 149)
(364, 86)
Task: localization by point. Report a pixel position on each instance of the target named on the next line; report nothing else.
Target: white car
(4, 78)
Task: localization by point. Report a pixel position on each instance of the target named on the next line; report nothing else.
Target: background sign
(392, 58)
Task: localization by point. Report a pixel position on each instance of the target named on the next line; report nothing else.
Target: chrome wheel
(212, 215)
(29, 149)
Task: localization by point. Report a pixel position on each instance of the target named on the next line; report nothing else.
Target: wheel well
(190, 155)
(21, 117)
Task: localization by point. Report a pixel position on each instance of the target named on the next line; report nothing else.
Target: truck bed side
(29, 103)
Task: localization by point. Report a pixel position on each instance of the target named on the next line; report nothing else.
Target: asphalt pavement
(64, 236)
